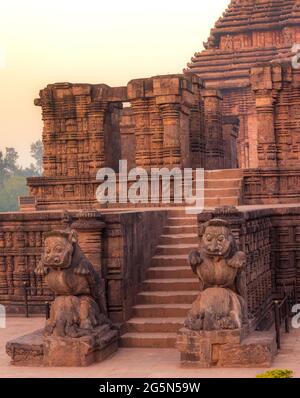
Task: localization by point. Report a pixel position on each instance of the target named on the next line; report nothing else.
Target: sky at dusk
(89, 41)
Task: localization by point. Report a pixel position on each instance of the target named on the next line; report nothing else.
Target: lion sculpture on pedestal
(78, 307)
(220, 268)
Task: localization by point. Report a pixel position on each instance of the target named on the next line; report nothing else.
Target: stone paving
(135, 362)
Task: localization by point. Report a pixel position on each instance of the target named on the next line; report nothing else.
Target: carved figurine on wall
(78, 308)
(221, 271)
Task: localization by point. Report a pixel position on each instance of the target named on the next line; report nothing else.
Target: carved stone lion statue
(78, 307)
(220, 268)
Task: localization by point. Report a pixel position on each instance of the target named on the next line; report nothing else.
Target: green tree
(13, 177)
(1, 167)
(10, 161)
(36, 151)
(12, 187)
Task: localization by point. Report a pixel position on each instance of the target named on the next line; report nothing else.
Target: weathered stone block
(226, 348)
(36, 350)
(258, 350)
(84, 351)
(27, 350)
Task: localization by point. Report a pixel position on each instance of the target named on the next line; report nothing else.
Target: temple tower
(250, 33)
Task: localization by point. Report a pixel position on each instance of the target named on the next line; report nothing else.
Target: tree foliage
(11, 188)
(13, 177)
(36, 151)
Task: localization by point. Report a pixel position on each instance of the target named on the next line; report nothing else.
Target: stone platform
(226, 348)
(34, 349)
(144, 362)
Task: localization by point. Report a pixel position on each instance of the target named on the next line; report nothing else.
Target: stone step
(218, 192)
(176, 297)
(178, 213)
(223, 174)
(161, 310)
(189, 229)
(178, 221)
(170, 284)
(178, 239)
(169, 260)
(155, 325)
(176, 249)
(222, 201)
(148, 340)
(220, 183)
(169, 272)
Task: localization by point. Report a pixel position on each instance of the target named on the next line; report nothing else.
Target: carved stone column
(171, 121)
(128, 138)
(143, 133)
(96, 117)
(213, 129)
(139, 94)
(175, 97)
(197, 129)
(230, 134)
(266, 83)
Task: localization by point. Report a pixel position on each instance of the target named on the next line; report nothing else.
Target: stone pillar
(197, 129)
(171, 121)
(128, 138)
(142, 132)
(175, 97)
(230, 134)
(74, 124)
(96, 117)
(3, 278)
(213, 129)
(157, 128)
(266, 83)
(161, 108)
(138, 94)
(46, 101)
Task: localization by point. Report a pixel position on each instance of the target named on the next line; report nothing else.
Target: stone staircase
(169, 289)
(170, 286)
(223, 187)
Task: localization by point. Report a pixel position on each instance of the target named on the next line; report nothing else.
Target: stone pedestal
(226, 348)
(27, 350)
(38, 350)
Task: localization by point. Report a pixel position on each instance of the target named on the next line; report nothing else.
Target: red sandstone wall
(252, 33)
(129, 241)
(286, 247)
(118, 245)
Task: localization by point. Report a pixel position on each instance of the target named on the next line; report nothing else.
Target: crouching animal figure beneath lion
(78, 307)
(220, 268)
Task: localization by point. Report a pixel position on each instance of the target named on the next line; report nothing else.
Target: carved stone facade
(165, 121)
(78, 331)
(286, 248)
(241, 111)
(109, 241)
(252, 35)
(235, 270)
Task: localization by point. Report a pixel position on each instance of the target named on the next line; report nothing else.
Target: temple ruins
(234, 111)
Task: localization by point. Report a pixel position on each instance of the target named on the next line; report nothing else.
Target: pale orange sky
(89, 41)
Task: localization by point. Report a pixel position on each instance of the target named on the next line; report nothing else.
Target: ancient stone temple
(165, 121)
(234, 112)
(250, 57)
(248, 37)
